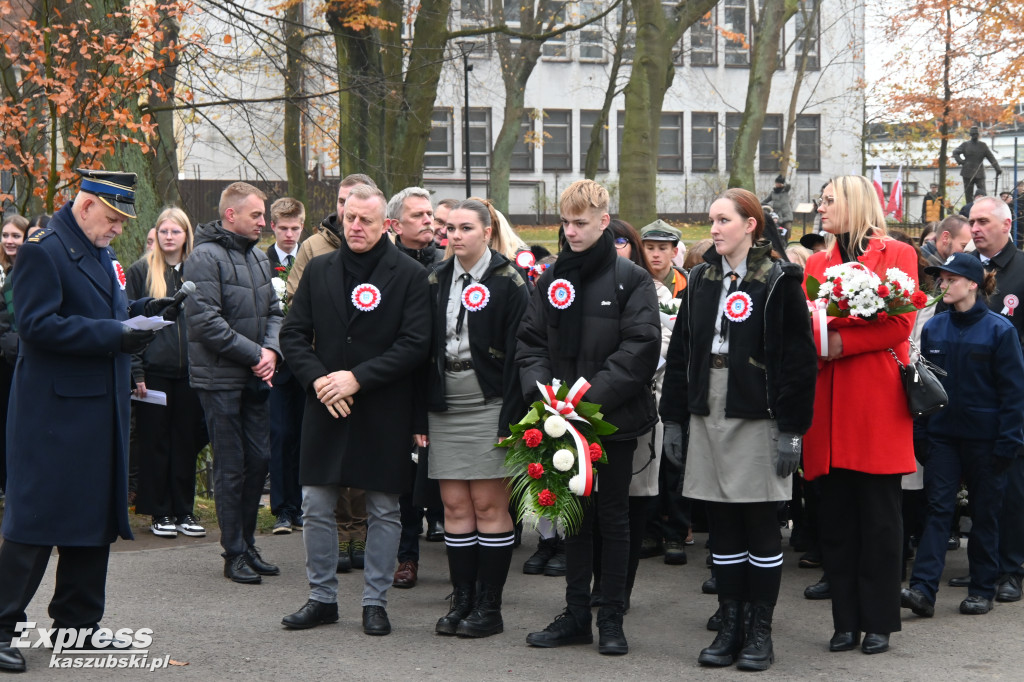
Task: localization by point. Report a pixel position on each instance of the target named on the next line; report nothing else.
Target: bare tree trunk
(294, 156)
(810, 26)
(596, 146)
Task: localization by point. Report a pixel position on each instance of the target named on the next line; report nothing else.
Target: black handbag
(925, 392)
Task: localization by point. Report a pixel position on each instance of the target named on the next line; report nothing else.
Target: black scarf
(579, 268)
(359, 266)
(848, 254)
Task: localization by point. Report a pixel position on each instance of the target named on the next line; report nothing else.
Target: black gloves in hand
(790, 445)
(673, 448)
(157, 306)
(135, 340)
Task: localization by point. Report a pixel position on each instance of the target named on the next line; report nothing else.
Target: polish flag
(895, 205)
(877, 181)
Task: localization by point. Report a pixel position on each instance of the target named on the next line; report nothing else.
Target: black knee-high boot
(495, 557)
(463, 558)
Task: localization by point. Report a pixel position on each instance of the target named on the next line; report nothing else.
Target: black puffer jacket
(167, 355)
(234, 312)
(492, 337)
(429, 256)
(621, 342)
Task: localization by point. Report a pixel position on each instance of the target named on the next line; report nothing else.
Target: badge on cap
(1010, 302)
(366, 297)
(475, 297)
(738, 306)
(561, 294)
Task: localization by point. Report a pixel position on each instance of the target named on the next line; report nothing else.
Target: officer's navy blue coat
(67, 436)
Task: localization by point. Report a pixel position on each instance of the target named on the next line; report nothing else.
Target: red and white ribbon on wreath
(119, 273)
(1010, 303)
(819, 328)
(567, 410)
(366, 297)
(475, 297)
(738, 306)
(561, 293)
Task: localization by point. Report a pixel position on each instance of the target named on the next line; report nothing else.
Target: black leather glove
(1001, 464)
(135, 340)
(157, 306)
(673, 448)
(790, 445)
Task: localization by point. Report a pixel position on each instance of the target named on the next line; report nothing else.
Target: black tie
(466, 279)
(289, 260)
(734, 285)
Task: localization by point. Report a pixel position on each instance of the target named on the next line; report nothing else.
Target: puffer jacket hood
(216, 232)
(330, 228)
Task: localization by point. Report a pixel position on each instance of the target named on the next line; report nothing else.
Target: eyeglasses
(620, 242)
(171, 233)
(827, 201)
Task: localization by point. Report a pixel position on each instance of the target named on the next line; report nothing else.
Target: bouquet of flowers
(280, 284)
(552, 451)
(669, 311)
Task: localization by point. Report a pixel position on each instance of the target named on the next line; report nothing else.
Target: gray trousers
(320, 537)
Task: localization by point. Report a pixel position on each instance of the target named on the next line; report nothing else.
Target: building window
(807, 29)
(522, 151)
(670, 143)
(557, 140)
(732, 129)
(769, 149)
(704, 41)
(475, 14)
(591, 36)
(587, 121)
(556, 47)
(808, 142)
(704, 142)
(737, 48)
(479, 137)
(439, 144)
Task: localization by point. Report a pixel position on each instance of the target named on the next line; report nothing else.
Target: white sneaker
(189, 525)
(164, 527)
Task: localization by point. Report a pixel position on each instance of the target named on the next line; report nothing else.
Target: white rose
(555, 426)
(279, 286)
(577, 485)
(563, 460)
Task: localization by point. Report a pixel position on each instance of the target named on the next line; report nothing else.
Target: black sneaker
(283, 525)
(675, 553)
(545, 550)
(612, 642)
(189, 525)
(565, 629)
(164, 527)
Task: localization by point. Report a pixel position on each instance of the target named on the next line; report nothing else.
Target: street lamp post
(466, 46)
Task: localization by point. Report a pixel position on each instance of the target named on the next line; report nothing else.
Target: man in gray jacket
(233, 320)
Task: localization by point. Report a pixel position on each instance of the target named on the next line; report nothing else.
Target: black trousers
(611, 507)
(80, 591)
(1011, 521)
(669, 517)
(169, 439)
(861, 537)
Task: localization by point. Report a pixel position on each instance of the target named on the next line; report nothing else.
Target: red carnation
(843, 304)
(837, 290)
(535, 470)
(883, 290)
(595, 452)
(546, 498)
(919, 299)
(280, 268)
(896, 286)
(533, 437)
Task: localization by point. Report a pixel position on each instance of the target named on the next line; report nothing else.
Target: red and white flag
(895, 205)
(877, 182)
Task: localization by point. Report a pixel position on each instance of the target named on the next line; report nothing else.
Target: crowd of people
(370, 369)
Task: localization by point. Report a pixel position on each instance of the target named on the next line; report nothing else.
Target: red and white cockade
(366, 297)
(475, 297)
(738, 306)
(561, 293)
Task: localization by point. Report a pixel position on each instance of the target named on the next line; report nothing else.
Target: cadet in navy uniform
(67, 441)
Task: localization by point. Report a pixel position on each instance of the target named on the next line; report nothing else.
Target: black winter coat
(167, 355)
(772, 359)
(492, 337)
(384, 348)
(621, 343)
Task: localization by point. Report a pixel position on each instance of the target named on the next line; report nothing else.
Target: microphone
(187, 288)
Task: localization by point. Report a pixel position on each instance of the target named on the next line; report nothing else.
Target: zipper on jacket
(767, 399)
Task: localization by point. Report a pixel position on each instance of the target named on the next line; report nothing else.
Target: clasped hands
(264, 369)
(335, 391)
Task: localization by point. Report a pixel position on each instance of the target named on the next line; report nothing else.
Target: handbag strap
(894, 357)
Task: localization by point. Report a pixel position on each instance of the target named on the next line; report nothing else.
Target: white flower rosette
(563, 460)
(279, 287)
(555, 426)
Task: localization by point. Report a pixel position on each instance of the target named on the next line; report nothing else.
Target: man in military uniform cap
(67, 436)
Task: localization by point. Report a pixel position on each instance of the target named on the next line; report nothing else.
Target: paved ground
(227, 631)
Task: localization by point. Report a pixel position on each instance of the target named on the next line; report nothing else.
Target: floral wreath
(561, 293)
(475, 297)
(366, 297)
(119, 273)
(738, 306)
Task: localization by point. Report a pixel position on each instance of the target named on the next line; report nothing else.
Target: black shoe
(375, 621)
(485, 618)
(461, 605)
(238, 569)
(915, 600)
(844, 641)
(960, 581)
(283, 525)
(953, 543)
(358, 554)
(1009, 589)
(344, 556)
(819, 590)
(729, 641)
(435, 532)
(651, 547)
(256, 562)
(715, 621)
(811, 559)
(567, 628)
(611, 640)
(875, 643)
(313, 613)
(11, 659)
(975, 605)
(556, 564)
(758, 652)
(710, 586)
(546, 549)
(675, 553)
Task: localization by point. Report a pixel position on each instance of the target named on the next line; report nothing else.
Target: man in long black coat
(67, 441)
(356, 334)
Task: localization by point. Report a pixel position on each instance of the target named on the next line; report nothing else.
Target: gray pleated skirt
(462, 438)
(732, 460)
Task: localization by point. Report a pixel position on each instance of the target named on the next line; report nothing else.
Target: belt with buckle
(719, 361)
(458, 365)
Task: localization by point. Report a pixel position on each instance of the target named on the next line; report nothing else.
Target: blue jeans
(950, 460)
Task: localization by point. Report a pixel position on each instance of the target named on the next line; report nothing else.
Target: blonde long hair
(156, 284)
(857, 211)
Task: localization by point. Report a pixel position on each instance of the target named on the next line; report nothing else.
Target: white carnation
(279, 286)
(577, 485)
(555, 426)
(563, 460)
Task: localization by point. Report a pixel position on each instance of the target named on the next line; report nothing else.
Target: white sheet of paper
(152, 396)
(146, 323)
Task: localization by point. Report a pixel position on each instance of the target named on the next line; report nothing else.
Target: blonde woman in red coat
(861, 440)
